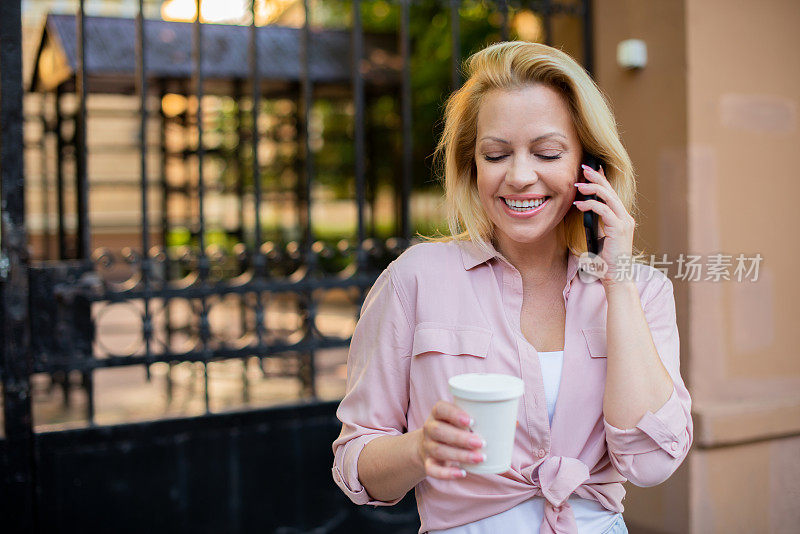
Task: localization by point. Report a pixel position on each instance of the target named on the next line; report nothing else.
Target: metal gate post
(17, 357)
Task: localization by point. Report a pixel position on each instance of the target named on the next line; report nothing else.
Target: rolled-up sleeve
(649, 453)
(376, 398)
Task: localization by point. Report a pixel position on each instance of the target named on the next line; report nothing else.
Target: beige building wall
(711, 125)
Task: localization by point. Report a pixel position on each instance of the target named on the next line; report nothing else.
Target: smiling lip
(526, 214)
(524, 197)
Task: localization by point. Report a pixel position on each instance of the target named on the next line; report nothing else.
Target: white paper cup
(492, 400)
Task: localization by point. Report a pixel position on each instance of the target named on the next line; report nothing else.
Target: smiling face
(526, 149)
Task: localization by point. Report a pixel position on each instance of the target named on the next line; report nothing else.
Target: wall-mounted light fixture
(632, 54)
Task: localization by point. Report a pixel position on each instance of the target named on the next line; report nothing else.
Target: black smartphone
(590, 218)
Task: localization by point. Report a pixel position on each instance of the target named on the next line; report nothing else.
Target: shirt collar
(472, 256)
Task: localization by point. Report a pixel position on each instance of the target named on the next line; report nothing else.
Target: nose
(521, 173)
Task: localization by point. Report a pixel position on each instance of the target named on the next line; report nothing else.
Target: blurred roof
(111, 56)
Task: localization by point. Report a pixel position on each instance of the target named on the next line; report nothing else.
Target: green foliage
(431, 79)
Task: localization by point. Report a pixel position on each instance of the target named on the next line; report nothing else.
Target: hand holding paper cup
(492, 400)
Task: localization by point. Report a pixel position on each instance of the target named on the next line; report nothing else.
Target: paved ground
(123, 394)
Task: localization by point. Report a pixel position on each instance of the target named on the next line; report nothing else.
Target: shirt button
(541, 453)
(674, 445)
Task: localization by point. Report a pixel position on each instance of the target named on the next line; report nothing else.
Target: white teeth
(523, 205)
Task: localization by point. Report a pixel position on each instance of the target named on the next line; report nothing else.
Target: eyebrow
(550, 134)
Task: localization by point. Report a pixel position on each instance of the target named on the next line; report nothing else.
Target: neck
(539, 262)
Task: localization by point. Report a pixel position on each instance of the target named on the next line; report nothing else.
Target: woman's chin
(523, 238)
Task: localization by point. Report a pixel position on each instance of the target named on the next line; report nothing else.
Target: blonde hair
(508, 66)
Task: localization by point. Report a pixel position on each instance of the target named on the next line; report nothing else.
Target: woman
(604, 400)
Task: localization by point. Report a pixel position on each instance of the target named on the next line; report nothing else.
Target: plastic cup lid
(486, 386)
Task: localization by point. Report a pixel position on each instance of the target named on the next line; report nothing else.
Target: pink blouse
(442, 309)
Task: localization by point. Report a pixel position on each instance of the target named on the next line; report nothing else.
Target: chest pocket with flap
(596, 341)
(451, 339)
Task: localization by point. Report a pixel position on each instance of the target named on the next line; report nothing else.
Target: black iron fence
(266, 469)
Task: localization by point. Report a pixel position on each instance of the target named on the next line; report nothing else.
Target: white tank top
(590, 515)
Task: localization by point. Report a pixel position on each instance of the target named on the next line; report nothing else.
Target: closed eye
(498, 158)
